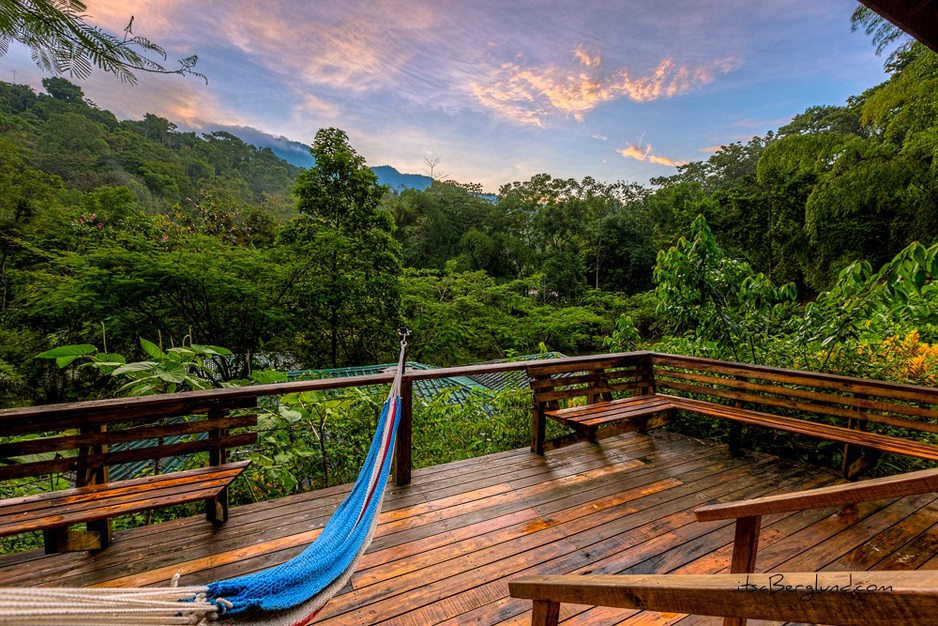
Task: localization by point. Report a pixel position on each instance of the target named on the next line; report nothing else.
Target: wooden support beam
(403, 447)
(745, 549)
(545, 613)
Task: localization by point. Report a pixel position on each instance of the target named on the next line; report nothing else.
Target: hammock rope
(290, 594)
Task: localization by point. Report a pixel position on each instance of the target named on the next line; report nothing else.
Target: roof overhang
(919, 18)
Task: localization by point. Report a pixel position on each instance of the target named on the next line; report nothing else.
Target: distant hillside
(297, 154)
(389, 176)
(293, 152)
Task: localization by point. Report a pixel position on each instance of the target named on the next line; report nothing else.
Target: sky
(496, 91)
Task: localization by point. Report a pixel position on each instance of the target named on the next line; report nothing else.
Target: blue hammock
(297, 590)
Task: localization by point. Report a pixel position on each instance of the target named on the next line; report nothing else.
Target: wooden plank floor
(448, 544)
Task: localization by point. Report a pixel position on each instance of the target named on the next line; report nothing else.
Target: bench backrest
(555, 384)
(806, 395)
(87, 438)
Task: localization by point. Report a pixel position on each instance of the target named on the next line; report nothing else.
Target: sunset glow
(498, 91)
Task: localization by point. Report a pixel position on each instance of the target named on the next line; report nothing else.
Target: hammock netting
(330, 560)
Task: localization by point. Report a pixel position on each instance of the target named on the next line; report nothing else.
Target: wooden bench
(868, 416)
(79, 443)
(594, 398)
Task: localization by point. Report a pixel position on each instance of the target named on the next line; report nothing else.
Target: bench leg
(216, 509)
(538, 431)
(62, 539)
(857, 460)
(736, 439)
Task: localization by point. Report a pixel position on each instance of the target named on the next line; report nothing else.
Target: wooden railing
(868, 416)
(883, 597)
(78, 414)
(847, 598)
(748, 513)
(858, 401)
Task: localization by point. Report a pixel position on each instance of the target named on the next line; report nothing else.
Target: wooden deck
(449, 542)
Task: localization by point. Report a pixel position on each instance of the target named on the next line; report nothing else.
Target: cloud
(527, 95)
(639, 153)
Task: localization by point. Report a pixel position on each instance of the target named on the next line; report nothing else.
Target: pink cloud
(640, 153)
(527, 95)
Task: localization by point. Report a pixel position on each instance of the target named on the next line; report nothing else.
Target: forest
(811, 247)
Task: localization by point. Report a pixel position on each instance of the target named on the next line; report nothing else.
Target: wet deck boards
(449, 542)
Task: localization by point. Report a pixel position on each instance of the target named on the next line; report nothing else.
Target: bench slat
(726, 389)
(87, 504)
(92, 461)
(139, 433)
(562, 394)
(819, 409)
(550, 382)
(831, 382)
(598, 414)
(851, 436)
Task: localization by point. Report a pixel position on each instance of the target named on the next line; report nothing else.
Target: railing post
(405, 429)
(857, 459)
(98, 534)
(745, 548)
(545, 613)
(216, 509)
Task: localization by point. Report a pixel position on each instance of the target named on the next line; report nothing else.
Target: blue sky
(497, 91)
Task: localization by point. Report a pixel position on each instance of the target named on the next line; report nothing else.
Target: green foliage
(183, 368)
(719, 300)
(462, 317)
(485, 422)
(348, 294)
(883, 32)
(62, 42)
(312, 440)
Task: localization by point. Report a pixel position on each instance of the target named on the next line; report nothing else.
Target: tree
(883, 32)
(61, 89)
(726, 305)
(350, 296)
(62, 42)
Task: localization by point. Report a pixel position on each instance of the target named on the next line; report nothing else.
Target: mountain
(389, 176)
(297, 153)
(292, 152)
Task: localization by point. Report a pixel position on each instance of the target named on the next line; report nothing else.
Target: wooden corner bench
(80, 443)
(868, 417)
(595, 399)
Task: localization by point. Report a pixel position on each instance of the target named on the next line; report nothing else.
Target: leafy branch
(62, 42)
(176, 369)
